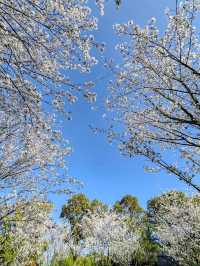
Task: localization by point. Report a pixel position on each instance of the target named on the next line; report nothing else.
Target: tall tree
(77, 207)
(156, 92)
(23, 233)
(41, 43)
(128, 205)
(108, 236)
(176, 219)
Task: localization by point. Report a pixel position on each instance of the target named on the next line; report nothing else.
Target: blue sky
(106, 174)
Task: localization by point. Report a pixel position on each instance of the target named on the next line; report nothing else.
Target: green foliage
(76, 208)
(92, 260)
(79, 206)
(12, 242)
(97, 206)
(128, 205)
(149, 250)
(196, 200)
(7, 250)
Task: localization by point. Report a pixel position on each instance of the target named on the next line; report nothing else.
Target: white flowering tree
(41, 43)
(109, 235)
(23, 235)
(177, 225)
(61, 244)
(156, 92)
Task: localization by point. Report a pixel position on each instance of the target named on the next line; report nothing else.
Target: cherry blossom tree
(76, 208)
(41, 43)
(109, 235)
(27, 229)
(155, 95)
(177, 222)
(61, 244)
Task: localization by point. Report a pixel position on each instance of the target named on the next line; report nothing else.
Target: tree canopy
(155, 94)
(128, 205)
(153, 110)
(76, 208)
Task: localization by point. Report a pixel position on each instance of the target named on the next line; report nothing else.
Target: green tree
(128, 205)
(77, 207)
(149, 249)
(7, 251)
(89, 260)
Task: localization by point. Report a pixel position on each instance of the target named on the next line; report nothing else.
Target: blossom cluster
(108, 234)
(42, 42)
(155, 93)
(177, 224)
